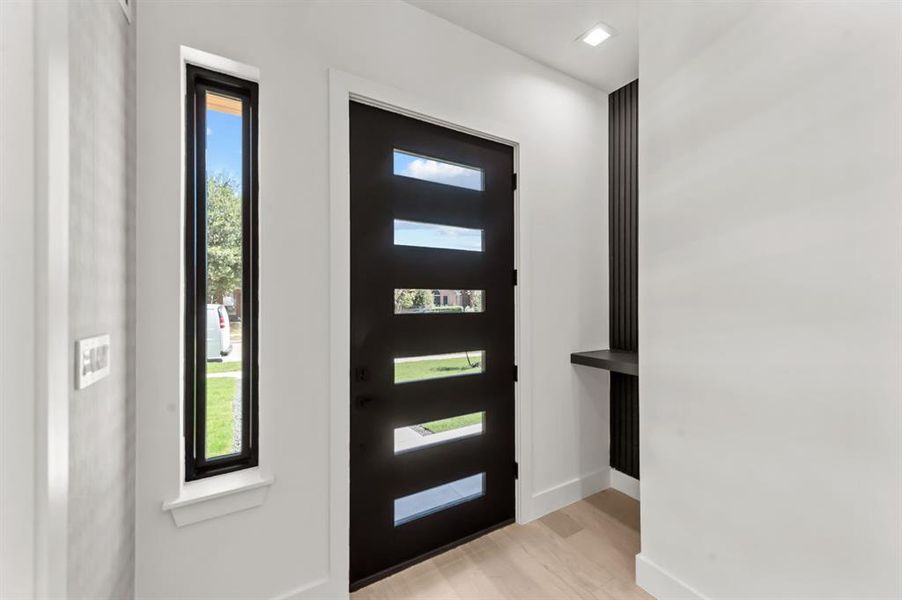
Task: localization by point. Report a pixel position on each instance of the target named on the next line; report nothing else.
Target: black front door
(432, 339)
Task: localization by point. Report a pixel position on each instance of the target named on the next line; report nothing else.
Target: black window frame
(199, 81)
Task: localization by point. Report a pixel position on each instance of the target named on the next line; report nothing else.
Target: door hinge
(516, 373)
(514, 276)
(514, 181)
(516, 470)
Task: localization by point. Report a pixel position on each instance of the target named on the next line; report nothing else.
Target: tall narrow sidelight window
(221, 430)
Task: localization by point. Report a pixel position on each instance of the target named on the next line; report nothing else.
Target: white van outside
(219, 336)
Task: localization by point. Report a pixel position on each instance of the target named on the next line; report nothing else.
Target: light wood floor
(586, 550)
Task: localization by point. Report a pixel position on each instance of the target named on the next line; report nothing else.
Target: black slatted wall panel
(623, 107)
(625, 423)
(622, 192)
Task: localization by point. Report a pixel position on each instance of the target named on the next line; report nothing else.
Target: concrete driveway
(235, 354)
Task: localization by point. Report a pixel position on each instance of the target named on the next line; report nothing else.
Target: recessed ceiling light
(597, 35)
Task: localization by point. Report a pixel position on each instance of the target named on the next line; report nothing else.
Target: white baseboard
(661, 584)
(319, 589)
(625, 484)
(576, 489)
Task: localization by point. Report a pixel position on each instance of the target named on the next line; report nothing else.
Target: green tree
(406, 300)
(223, 237)
(472, 301)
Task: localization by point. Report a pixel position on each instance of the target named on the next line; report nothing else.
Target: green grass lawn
(223, 367)
(220, 394)
(453, 423)
(432, 369)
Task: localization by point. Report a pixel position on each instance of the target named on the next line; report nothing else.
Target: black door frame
(344, 88)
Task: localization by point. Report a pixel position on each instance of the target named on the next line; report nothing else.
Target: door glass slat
(430, 433)
(441, 497)
(425, 301)
(436, 235)
(439, 366)
(425, 168)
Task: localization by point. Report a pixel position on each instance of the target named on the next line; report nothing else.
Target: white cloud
(431, 170)
(422, 167)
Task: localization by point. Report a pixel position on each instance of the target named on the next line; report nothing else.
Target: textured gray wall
(101, 270)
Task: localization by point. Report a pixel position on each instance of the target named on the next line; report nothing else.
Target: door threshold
(362, 583)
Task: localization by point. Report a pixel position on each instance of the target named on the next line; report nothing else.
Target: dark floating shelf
(618, 361)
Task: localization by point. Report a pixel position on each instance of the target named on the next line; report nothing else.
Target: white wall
(770, 290)
(101, 522)
(36, 531)
(283, 545)
(17, 368)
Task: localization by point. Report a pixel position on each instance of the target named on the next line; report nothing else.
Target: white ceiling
(549, 32)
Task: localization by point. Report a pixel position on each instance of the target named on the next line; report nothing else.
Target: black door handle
(362, 401)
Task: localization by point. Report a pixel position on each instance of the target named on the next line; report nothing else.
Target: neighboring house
(446, 297)
(233, 305)
(452, 298)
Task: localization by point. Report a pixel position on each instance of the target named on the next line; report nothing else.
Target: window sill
(218, 496)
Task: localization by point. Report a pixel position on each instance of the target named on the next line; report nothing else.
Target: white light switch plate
(92, 360)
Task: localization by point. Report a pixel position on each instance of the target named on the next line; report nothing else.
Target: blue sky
(224, 145)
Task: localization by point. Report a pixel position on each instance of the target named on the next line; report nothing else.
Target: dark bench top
(619, 361)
